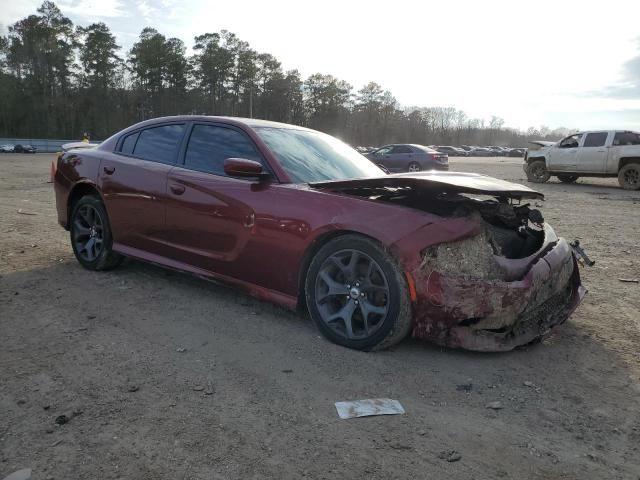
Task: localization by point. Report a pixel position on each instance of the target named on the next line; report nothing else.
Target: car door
(210, 216)
(133, 184)
(592, 156)
(564, 154)
(399, 158)
(624, 144)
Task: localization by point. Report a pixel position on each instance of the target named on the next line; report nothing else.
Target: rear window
(159, 144)
(425, 149)
(595, 139)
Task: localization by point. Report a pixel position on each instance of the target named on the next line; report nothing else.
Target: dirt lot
(252, 394)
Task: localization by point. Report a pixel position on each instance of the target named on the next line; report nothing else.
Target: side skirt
(256, 291)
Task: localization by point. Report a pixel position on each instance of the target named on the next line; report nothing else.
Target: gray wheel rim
(632, 177)
(352, 294)
(88, 233)
(414, 167)
(538, 172)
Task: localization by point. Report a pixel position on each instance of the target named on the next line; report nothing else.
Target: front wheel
(568, 178)
(91, 238)
(537, 172)
(356, 294)
(629, 176)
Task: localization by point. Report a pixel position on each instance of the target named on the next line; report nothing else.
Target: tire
(537, 172)
(89, 221)
(568, 178)
(629, 176)
(368, 276)
(414, 167)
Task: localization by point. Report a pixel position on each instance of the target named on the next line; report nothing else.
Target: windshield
(309, 156)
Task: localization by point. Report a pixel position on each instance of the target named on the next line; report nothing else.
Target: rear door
(592, 155)
(133, 182)
(399, 158)
(564, 155)
(624, 144)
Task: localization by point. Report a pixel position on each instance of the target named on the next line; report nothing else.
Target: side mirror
(242, 167)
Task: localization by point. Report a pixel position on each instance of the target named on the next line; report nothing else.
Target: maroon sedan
(298, 218)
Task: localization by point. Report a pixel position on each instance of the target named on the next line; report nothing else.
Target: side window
(210, 145)
(159, 144)
(129, 143)
(595, 139)
(383, 151)
(571, 142)
(400, 149)
(626, 138)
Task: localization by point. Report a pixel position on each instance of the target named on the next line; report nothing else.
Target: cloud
(628, 87)
(92, 8)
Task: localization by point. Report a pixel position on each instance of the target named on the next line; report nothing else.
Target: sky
(573, 64)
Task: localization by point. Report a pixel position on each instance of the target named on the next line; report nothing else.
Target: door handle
(109, 170)
(177, 189)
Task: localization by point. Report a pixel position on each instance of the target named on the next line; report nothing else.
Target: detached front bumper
(496, 315)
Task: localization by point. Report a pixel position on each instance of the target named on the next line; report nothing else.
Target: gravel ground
(162, 375)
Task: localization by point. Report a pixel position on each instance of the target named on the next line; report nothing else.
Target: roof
(250, 122)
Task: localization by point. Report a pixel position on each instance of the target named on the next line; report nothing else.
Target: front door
(564, 155)
(210, 216)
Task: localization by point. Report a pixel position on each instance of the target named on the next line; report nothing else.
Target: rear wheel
(568, 178)
(629, 176)
(357, 295)
(537, 172)
(91, 238)
(414, 167)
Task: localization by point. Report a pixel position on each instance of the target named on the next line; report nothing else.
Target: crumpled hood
(542, 143)
(438, 182)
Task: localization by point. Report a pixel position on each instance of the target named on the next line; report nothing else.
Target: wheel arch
(627, 160)
(539, 157)
(78, 191)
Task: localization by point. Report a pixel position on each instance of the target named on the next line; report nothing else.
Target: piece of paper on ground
(368, 407)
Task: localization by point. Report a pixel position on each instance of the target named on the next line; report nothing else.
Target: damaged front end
(499, 277)
(505, 285)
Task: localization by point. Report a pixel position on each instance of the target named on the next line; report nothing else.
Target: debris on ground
(61, 419)
(494, 405)
(133, 388)
(24, 474)
(630, 280)
(449, 455)
(198, 388)
(369, 407)
(181, 350)
(465, 387)
(23, 212)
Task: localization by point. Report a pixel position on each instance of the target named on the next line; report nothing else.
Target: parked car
(516, 152)
(77, 145)
(482, 152)
(409, 158)
(6, 148)
(24, 149)
(452, 151)
(496, 151)
(603, 153)
(299, 218)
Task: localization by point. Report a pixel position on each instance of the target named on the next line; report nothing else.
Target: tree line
(58, 80)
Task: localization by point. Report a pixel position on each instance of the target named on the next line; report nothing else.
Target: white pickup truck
(614, 153)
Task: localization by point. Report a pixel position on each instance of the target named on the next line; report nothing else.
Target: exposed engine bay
(512, 230)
